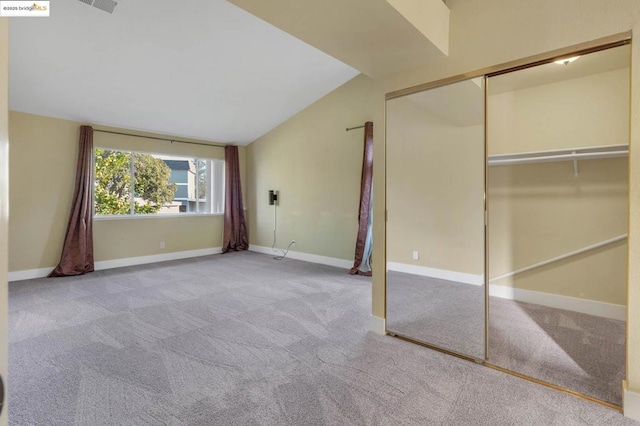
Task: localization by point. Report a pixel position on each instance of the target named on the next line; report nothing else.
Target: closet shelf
(590, 153)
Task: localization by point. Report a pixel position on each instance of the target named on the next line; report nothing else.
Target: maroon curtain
(364, 222)
(235, 229)
(77, 252)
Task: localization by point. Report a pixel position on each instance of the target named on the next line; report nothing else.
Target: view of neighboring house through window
(135, 183)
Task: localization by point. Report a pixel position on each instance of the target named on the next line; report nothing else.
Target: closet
(507, 203)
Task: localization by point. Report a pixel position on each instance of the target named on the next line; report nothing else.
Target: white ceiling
(203, 69)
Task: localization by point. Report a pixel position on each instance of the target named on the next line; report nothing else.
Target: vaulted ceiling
(205, 69)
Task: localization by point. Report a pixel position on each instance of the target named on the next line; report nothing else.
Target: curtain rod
(353, 128)
(159, 139)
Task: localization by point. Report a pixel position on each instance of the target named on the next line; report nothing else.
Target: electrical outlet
(162, 244)
(416, 256)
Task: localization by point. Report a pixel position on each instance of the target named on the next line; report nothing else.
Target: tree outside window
(138, 183)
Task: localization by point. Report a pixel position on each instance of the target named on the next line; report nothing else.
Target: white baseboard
(378, 325)
(442, 274)
(141, 260)
(630, 402)
(29, 274)
(119, 263)
(313, 258)
(590, 307)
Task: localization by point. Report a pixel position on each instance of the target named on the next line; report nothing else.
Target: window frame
(209, 179)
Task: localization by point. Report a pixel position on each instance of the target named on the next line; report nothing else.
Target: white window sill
(153, 216)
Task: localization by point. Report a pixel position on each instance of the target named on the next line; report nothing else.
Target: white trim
(29, 274)
(307, 257)
(378, 325)
(631, 402)
(442, 274)
(119, 263)
(585, 306)
(100, 218)
(131, 261)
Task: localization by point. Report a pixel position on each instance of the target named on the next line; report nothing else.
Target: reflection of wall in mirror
(540, 211)
(434, 189)
(581, 112)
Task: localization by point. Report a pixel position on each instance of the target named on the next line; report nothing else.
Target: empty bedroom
(363, 212)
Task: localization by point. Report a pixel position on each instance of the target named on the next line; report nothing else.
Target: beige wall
(4, 198)
(316, 167)
(43, 160)
(435, 200)
(581, 112)
(633, 291)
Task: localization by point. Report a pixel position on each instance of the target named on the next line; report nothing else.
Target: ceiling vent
(106, 5)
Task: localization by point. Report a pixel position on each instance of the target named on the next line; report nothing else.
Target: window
(136, 183)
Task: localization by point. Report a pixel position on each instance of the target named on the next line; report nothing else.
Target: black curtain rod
(353, 128)
(159, 139)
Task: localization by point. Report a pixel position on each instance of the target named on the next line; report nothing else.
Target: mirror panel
(557, 227)
(435, 223)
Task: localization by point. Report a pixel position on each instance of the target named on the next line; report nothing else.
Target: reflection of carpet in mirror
(581, 352)
(443, 313)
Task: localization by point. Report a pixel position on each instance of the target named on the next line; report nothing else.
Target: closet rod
(159, 139)
(611, 151)
(563, 157)
(561, 257)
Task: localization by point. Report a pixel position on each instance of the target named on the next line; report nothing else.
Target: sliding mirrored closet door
(557, 188)
(435, 154)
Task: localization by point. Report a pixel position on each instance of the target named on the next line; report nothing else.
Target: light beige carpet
(242, 339)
